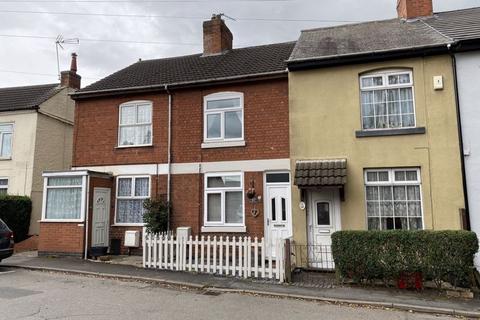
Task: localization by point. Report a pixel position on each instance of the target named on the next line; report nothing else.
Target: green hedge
(384, 255)
(15, 211)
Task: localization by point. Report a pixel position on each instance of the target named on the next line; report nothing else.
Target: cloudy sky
(116, 33)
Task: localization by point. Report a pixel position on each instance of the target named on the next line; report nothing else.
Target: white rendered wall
(468, 70)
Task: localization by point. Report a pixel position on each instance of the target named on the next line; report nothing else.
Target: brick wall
(408, 9)
(61, 238)
(265, 121)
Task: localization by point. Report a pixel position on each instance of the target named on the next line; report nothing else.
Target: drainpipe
(169, 151)
(460, 136)
(87, 198)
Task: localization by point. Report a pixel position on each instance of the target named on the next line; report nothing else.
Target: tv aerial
(60, 41)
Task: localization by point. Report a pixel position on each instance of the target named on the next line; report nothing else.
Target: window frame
(222, 96)
(385, 86)
(131, 197)
(5, 187)
(135, 104)
(222, 191)
(83, 188)
(9, 157)
(392, 182)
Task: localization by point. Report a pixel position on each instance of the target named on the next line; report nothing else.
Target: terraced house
(374, 129)
(198, 130)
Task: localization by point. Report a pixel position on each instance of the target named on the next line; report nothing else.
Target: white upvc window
(132, 191)
(3, 186)
(135, 124)
(64, 198)
(394, 199)
(387, 100)
(6, 137)
(223, 117)
(224, 200)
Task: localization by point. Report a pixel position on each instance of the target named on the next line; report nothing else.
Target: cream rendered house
(36, 134)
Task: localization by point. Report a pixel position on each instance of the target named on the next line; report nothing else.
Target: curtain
(141, 187)
(130, 210)
(214, 211)
(233, 124)
(64, 203)
(233, 207)
(6, 147)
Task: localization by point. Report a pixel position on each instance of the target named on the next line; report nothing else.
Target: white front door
(323, 221)
(278, 212)
(101, 215)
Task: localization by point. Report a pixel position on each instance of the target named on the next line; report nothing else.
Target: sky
(110, 38)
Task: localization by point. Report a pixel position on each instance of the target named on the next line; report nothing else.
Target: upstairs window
(394, 199)
(3, 186)
(6, 134)
(135, 125)
(223, 117)
(387, 100)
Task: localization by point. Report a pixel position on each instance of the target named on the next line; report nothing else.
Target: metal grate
(312, 256)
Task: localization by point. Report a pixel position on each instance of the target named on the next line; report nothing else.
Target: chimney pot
(70, 78)
(217, 38)
(410, 9)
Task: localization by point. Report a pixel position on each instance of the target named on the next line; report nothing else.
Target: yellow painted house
(373, 132)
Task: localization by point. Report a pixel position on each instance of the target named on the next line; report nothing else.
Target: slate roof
(458, 25)
(364, 38)
(317, 173)
(237, 63)
(28, 97)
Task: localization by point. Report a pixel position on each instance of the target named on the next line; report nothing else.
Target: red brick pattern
(409, 9)
(217, 38)
(61, 238)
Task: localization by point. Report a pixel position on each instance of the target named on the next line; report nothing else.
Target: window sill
(223, 144)
(128, 225)
(242, 229)
(140, 146)
(61, 221)
(5, 158)
(389, 132)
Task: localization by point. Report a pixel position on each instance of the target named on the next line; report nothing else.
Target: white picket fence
(237, 256)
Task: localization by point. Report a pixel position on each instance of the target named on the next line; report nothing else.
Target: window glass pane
(65, 181)
(408, 120)
(383, 176)
(400, 208)
(6, 128)
(399, 175)
(64, 203)
(222, 104)
(214, 210)
(233, 207)
(399, 193)
(278, 177)
(213, 125)
(124, 187)
(274, 209)
(141, 187)
(6, 147)
(368, 123)
(144, 113)
(233, 124)
(373, 208)
(416, 224)
(373, 224)
(393, 95)
(414, 208)
(406, 107)
(381, 122)
(367, 97)
(395, 121)
(386, 208)
(406, 94)
(224, 182)
(368, 110)
(3, 182)
(130, 210)
(413, 192)
(387, 224)
(323, 213)
(284, 210)
(393, 79)
(127, 114)
(404, 78)
(372, 193)
(127, 136)
(372, 176)
(411, 175)
(372, 81)
(143, 134)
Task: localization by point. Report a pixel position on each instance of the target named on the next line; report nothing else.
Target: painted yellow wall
(325, 113)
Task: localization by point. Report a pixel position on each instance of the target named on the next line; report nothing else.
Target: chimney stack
(217, 38)
(410, 9)
(70, 78)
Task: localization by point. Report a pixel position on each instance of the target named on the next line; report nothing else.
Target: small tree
(156, 216)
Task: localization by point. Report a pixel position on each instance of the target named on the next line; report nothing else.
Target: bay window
(63, 199)
(131, 194)
(387, 100)
(393, 199)
(224, 200)
(223, 117)
(135, 124)
(6, 134)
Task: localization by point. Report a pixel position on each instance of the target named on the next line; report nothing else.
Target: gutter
(178, 85)
(460, 138)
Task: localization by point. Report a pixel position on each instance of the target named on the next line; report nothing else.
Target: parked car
(6, 241)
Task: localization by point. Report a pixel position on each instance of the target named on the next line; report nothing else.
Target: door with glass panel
(278, 210)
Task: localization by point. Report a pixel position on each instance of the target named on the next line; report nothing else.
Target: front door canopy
(320, 173)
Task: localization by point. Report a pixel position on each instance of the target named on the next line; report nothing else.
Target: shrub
(156, 216)
(384, 255)
(15, 211)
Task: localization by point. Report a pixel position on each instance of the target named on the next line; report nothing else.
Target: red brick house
(199, 130)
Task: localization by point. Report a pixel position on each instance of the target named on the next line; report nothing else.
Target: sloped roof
(237, 63)
(318, 173)
(364, 38)
(28, 97)
(458, 25)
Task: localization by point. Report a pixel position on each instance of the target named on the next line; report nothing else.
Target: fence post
(288, 261)
(144, 247)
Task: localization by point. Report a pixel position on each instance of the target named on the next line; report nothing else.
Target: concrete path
(428, 301)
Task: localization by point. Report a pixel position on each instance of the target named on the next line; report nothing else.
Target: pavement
(428, 301)
(32, 295)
